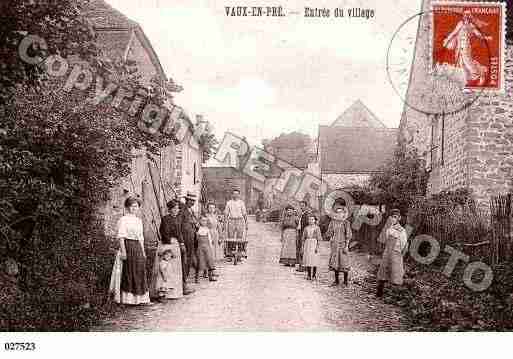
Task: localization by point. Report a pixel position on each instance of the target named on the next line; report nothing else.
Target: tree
(59, 22)
(401, 179)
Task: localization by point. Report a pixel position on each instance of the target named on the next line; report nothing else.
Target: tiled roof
(358, 115)
(105, 16)
(355, 149)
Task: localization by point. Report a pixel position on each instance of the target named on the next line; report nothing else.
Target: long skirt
(217, 248)
(172, 287)
(134, 283)
(310, 258)
(391, 268)
(205, 258)
(288, 248)
(339, 261)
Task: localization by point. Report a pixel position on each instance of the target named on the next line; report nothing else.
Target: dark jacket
(171, 227)
(189, 226)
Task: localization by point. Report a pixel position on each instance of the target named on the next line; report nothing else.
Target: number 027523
(20, 346)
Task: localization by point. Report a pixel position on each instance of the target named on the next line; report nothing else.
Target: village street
(261, 294)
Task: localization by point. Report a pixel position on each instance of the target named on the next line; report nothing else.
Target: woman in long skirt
(392, 267)
(215, 232)
(340, 233)
(289, 237)
(134, 283)
(311, 239)
(204, 251)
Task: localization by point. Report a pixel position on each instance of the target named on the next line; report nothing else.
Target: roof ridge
(359, 103)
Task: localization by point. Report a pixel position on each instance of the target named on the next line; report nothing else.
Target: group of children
(339, 232)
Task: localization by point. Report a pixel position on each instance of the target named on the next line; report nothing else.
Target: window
(194, 174)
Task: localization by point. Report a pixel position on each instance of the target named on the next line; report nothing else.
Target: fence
(501, 216)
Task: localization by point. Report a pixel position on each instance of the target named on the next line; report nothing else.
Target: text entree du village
(339, 12)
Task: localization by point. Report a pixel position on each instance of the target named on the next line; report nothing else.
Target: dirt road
(262, 295)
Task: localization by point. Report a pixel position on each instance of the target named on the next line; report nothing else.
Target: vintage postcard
(228, 166)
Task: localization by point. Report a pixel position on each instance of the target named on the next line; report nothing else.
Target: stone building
(472, 147)
(220, 182)
(354, 146)
(177, 169)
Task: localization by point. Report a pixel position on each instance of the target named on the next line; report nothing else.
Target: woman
(170, 234)
(391, 268)
(215, 232)
(339, 232)
(204, 251)
(133, 285)
(289, 226)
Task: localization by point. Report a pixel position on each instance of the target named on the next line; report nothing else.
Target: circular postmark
(440, 70)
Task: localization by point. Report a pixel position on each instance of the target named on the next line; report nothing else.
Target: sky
(259, 77)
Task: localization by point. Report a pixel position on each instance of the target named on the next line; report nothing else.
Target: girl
(134, 283)
(289, 237)
(204, 252)
(392, 268)
(340, 234)
(215, 231)
(168, 285)
(311, 239)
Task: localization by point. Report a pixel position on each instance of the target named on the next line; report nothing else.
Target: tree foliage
(59, 22)
(60, 155)
(401, 179)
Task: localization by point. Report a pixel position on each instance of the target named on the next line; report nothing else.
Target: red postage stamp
(469, 38)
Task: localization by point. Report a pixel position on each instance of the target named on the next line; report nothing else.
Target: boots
(186, 290)
(309, 273)
(381, 287)
(211, 277)
(314, 273)
(337, 280)
(346, 275)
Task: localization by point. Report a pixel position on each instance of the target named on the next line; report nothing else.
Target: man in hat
(396, 240)
(171, 227)
(190, 226)
(236, 216)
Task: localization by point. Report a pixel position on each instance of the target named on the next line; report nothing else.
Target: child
(311, 239)
(340, 233)
(392, 268)
(205, 258)
(163, 278)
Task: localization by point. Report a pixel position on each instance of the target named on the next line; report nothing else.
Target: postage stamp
(469, 38)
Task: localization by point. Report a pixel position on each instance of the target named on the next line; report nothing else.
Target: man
(303, 222)
(236, 216)
(396, 240)
(171, 227)
(190, 226)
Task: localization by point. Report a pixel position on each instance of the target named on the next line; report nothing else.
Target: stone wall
(220, 181)
(472, 147)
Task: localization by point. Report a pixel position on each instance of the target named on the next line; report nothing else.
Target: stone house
(220, 182)
(177, 169)
(470, 148)
(354, 146)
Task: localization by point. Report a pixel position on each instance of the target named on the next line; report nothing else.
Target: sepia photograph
(240, 168)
